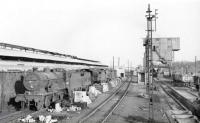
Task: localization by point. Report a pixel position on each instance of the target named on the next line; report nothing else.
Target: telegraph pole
(195, 66)
(155, 17)
(128, 67)
(113, 62)
(149, 60)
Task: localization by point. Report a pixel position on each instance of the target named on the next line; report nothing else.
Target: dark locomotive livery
(42, 88)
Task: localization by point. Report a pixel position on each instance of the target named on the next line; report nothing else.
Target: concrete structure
(163, 48)
(120, 71)
(141, 77)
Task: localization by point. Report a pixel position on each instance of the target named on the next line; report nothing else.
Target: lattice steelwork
(149, 58)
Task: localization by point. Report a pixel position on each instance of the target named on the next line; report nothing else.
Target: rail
(86, 117)
(184, 103)
(116, 105)
(172, 96)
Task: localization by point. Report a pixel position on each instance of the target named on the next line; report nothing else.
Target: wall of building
(10, 83)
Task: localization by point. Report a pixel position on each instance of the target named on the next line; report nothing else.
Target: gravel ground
(136, 109)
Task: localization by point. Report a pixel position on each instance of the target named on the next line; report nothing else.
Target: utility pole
(149, 60)
(131, 71)
(195, 65)
(128, 67)
(113, 63)
(155, 17)
(131, 65)
(128, 71)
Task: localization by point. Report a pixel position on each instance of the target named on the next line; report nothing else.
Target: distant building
(120, 71)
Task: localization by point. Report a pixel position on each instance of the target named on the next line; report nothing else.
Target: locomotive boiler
(43, 81)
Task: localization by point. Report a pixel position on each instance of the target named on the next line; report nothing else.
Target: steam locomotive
(42, 88)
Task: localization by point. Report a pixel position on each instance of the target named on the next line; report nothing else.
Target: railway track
(102, 112)
(192, 94)
(181, 102)
(185, 103)
(167, 90)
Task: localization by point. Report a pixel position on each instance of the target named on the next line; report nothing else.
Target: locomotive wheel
(47, 101)
(39, 105)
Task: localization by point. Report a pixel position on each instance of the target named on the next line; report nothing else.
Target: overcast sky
(99, 29)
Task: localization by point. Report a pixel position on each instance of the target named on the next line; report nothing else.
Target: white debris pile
(181, 116)
(80, 96)
(98, 87)
(47, 119)
(73, 108)
(87, 100)
(105, 87)
(113, 83)
(27, 119)
(57, 109)
(42, 118)
(94, 91)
